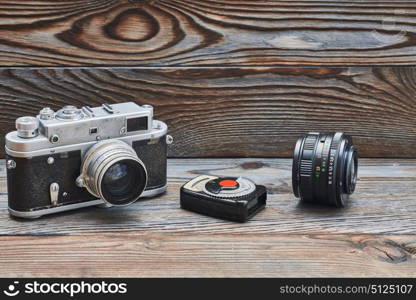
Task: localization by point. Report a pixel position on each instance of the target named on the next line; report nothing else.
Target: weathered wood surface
(384, 203)
(251, 255)
(375, 235)
(239, 111)
(189, 32)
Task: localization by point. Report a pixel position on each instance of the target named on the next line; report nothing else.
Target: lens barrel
(324, 168)
(112, 171)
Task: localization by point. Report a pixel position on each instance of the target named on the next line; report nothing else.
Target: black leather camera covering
(153, 155)
(29, 183)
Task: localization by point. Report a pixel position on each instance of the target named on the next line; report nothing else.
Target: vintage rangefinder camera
(72, 158)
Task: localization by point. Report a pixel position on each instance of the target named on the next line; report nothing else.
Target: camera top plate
(106, 121)
(71, 128)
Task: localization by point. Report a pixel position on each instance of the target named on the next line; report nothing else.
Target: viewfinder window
(135, 124)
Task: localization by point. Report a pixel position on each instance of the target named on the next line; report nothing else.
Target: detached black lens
(324, 168)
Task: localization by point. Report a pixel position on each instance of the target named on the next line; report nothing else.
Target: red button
(228, 183)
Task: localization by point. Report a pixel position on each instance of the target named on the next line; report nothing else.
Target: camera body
(75, 158)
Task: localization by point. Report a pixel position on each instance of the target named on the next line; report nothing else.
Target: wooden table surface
(375, 235)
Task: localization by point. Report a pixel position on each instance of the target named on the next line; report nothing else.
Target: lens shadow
(318, 208)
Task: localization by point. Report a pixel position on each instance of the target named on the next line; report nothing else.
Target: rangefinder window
(136, 124)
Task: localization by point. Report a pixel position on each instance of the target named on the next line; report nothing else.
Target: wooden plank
(201, 32)
(373, 236)
(384, 203)
(239, 111)
(251, 255)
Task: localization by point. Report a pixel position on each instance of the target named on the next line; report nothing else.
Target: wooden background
(207, 32)
(231, 78)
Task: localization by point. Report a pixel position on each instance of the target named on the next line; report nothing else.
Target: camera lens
(122, 182)
(324, 168)
(113, 172)
(116, 179)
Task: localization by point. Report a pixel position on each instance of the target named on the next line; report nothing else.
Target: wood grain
(201, 33)
(374, 236)
(214, 256)
(384, 203)
(238, 111)
(203, 65)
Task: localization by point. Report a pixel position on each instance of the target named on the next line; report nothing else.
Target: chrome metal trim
(54, 193)
(12, 141)
(154, 192)
(11, 164)
(108, 108)
(39, 213)
(27, 127)
(76, 132)
(42, 212)
(169, 139)
(99, 159)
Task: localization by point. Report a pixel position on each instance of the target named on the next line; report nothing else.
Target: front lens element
(116, 179)
(324, 168)
(112, 171)
(122, 182)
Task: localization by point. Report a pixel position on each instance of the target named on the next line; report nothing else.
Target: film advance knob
(27, 127)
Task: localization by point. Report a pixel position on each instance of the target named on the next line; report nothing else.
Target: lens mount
(351, 170)
(324, 168)
(112, 171)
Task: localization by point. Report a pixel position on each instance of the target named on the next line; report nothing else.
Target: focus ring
(307, 155)
(310, 142)
(305, 167)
